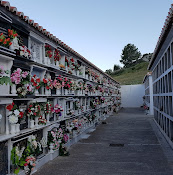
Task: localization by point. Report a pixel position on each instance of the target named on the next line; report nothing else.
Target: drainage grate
(104, 122)
(116, 145)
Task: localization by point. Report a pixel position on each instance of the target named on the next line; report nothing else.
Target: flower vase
(13, 89)
(57, 64)
(86, 76)
(48, 60)
(47, 118)
(13, 129)
(77, 72)
(36, 92)
(72, 92)
(65, 91)
(77, 92)
(17, 128)
(14, 45)
(47, 91)
(51, 148)
(58, 91)
(36, 121)
(57, 116)
(31, 124)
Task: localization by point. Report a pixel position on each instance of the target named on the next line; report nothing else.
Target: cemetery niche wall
(49, 94)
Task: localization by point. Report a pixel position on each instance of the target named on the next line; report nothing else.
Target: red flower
(47, 87)
(38, 80)
(21, 114)
(25, 164)
(13, 103)
(9, 107)
(35, 113)
(37, 87)
(32, 80)
(44, 80)
(30, 106)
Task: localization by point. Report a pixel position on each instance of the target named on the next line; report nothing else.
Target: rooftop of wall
(164, 32)
(39, 28)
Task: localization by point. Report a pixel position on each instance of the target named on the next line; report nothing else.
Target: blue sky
(99, 29)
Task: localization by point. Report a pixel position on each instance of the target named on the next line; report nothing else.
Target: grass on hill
(132, 75)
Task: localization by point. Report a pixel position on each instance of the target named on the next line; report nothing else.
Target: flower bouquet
(57, 56)
(36, 82)
(47, 110)
(21, 79)
(57, 84)
(48, 84)
(15, 115)
(5, 42)
(4, 79)
(48, 53)
(66, 84)
(24, 51)
(29, 165)
(33, 112)
(57, 110)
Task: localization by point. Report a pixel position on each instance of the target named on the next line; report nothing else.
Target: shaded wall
(131, 95)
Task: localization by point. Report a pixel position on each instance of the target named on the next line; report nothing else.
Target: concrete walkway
(137, 148)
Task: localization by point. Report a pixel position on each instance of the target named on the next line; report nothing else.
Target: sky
(99, 29)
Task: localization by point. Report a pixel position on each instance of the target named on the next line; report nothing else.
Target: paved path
(143, 152)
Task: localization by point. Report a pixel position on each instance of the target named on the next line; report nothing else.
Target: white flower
(34, 143)
(13, 119)
(0, 116)
(16, 112)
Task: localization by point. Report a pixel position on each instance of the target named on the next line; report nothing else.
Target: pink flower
(24, 74)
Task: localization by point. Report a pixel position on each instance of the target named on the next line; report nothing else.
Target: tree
(108, 71)
(130, 54)
(116, 67)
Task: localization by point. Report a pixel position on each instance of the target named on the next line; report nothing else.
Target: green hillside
(132, 75)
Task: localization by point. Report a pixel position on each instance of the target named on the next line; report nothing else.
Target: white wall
(131, 95)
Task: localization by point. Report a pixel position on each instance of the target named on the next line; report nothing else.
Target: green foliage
(116, 67)
(131, 75)
(129, 54)
(16, 161)
(108, 71)
(5, 80)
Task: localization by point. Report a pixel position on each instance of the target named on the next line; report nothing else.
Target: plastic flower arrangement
(90, 88)
(24, 51)
(57, 55)
(76, 105)
(57, 83)
(4, 79)
(33, 110)
(14, 113)
(42, 121)
(17, 159)
(73, 86)
(57, 109)
(48, 50)
(29, 165)
(66, 62)
(53, 138)
(102, 99)
(4, 42)
(36, 82)
(47, 108)
(12, 34)
(67, 83)
(22, 80)
(48, 83)
(34, 146)
(80, 86)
